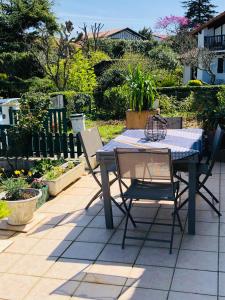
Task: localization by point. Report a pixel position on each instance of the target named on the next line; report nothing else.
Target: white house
(211, 35)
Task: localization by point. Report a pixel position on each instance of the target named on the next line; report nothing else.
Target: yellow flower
(22, 170)
(17, 172)
(29, 173)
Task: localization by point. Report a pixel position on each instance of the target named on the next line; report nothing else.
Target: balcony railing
(215, 42)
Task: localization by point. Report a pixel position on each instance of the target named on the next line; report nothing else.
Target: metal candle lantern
(156, 128)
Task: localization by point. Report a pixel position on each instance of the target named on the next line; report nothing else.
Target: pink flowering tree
(172, 24)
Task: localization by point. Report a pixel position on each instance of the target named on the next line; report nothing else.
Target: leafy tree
(164, 57)
(146, 32)
(19, 24)
(199, 11)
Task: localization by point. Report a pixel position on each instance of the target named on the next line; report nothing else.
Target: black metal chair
(151, 175)
(91, 142)
(205, 169)
(174, 122)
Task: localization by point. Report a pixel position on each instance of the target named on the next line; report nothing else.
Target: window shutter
(220, 65)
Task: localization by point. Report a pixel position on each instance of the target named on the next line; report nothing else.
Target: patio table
(186, 146)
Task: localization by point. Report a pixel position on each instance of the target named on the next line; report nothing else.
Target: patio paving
(70, 254)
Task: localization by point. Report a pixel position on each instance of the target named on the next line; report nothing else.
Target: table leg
(192, 197)
(106, 196)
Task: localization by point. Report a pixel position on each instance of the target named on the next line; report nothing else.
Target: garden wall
(182, 92)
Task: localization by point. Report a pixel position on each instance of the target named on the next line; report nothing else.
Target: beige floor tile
(48, 288)
(205, 228)
(118, 237)
(54, 219)
(15, 287)
(200, 242)
(198, 260)
(33, 265)
(163, 236)
(4, 244)
(157, 257)
(83, 250)
(98, 235)
(49, 247)
(7, 260)
(22, 245)
(98, 291)
(189, 296)
(40, 231)
(114, 253)
(222, 262)
(202, 282)
(221, 284)
(108, 273)
(150, 277)
(63, 232)
(142, 294)
(77, 219)
(99, 222)
(207, 216)
(68, 269)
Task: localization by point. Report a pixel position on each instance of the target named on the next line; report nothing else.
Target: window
(220, 66)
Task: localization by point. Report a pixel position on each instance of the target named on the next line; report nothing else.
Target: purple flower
(172, 21)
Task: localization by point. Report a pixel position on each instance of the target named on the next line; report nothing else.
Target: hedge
(182, 92)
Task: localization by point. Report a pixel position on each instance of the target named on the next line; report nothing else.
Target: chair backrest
(215, 147)
(144, 164)
(174, 123)
(91, 141)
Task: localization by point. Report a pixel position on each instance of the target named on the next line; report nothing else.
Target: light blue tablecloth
(182, 142)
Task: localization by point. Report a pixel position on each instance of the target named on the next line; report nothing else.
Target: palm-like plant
(141, 88)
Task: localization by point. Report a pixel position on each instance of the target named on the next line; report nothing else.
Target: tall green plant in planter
(142, 92)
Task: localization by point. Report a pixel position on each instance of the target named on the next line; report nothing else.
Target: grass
(108, 129)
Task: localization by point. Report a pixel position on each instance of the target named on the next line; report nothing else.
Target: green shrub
(116, 48)
(116, 74)
(44, 85)
(194, 83)
(167, 104)
(164, 57)
(166, 78)
(116, 101)
(97, 56)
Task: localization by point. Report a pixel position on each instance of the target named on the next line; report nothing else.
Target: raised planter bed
(55, 186)
(138, 119)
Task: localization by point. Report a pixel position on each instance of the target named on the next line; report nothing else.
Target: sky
(120, 13)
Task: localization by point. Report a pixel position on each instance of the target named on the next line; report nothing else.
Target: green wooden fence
(45, 144)
(56, 121)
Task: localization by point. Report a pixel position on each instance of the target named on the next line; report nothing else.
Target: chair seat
(152, 191)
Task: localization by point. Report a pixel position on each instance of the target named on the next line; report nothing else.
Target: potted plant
(77, 117)
(20, 199)
(40, 185)
(142, 92)
(59, 177)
